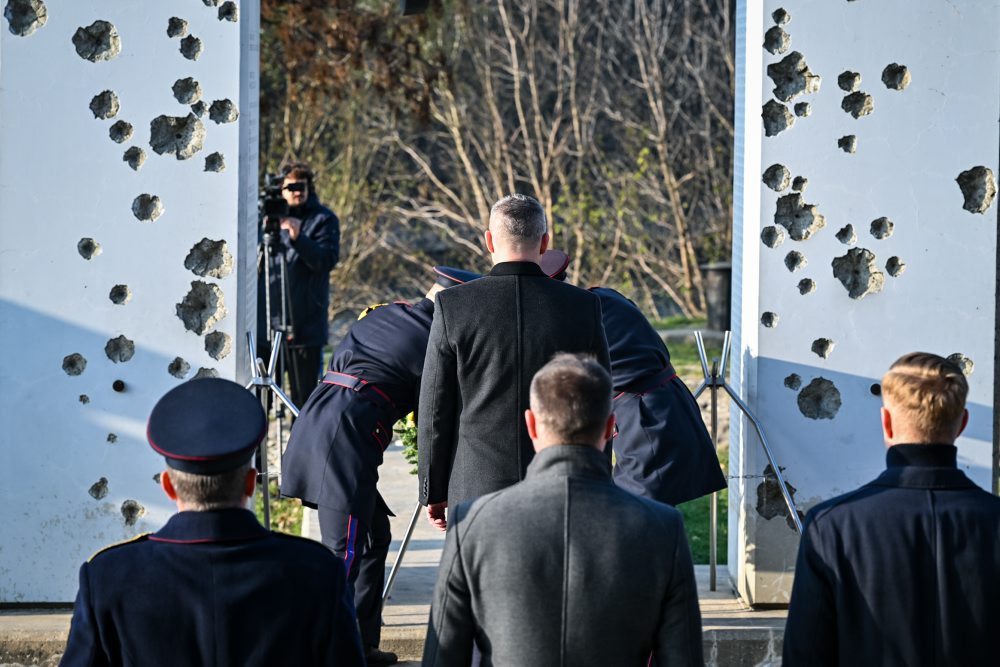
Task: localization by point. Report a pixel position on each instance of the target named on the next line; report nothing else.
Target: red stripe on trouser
(352, 535)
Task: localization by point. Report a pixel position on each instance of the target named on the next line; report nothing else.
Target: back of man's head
(925, 395)
(201, 493)
(571, 402)
(517, 223)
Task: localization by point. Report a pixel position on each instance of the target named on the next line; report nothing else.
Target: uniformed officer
(212, 586)
(662, 449)
(337, 442)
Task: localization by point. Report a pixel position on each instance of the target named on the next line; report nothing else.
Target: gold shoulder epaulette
(140, 536)
(370, 309)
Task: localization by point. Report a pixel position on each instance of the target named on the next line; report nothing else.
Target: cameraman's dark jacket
(310, 259)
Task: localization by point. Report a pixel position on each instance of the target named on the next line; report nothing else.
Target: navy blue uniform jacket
(213, 588)
(337, 442)
(662, 449)
(903, 571)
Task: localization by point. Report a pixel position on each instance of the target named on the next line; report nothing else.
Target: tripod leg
(399, 556)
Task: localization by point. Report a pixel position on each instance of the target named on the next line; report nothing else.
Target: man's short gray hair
(211, 492)
(571, 398)
(521, 217)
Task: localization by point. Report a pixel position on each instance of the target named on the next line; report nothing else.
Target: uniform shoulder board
(141, 537)
(370, 309)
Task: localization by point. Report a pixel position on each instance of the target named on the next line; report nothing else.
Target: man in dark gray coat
(488, 339)
(906, 569)
(565, 568)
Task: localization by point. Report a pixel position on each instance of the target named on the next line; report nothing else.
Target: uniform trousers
(363, 542)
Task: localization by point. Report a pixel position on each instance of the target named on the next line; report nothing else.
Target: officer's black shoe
(375, 657)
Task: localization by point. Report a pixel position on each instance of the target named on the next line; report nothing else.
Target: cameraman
(309, 242)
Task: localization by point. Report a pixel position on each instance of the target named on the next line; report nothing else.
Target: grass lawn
(286, 513)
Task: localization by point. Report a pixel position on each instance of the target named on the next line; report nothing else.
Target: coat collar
(228, 525)
(570, 460)
(923, 466)
(517, 269)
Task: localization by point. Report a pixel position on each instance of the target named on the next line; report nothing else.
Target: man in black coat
(310, 246)
(906, 569)
(488, 339)
(337, 443)
(213, 586)
(565, 568)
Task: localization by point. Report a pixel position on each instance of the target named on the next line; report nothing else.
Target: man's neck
(500, 258)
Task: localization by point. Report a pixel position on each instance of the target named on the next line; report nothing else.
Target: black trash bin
(718, 294)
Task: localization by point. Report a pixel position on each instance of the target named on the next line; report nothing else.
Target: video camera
(271, 205)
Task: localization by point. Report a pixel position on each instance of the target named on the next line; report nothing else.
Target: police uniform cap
(207, 426)
(554, 263)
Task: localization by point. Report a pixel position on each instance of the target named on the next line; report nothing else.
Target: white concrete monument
(128, 168)
(865, 227)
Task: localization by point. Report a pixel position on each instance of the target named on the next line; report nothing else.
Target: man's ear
(609, 427)
(489, 241)
(167, 485)
(250, 483)
(545, 244)
(529, 420)
(886, 424)
(965, 422)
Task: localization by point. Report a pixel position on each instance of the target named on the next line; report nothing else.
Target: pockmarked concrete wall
(866, 227)
(128, 159)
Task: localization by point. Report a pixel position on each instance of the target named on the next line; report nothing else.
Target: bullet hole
(181, 137)
(792, 77)
(894, 266)
(875, 389)
(177, 27)
(205, 373)
(807, 286)
(191, 47)
(147, 207)
(963, 362)
(112, 438)
(772, 236)
(881, 228)
(857, 273)
(858, 104)
(105, 105)
(119, 349)
(178, 368)
(229, 12)
(211, 3)
(803, 109)
(202, 307)
(848, 143)
(819, 400)
(793, 382)
(777, 118)
(770, 499)
(120, 295)
(781, 16)
(822, 347)
(849, 81)
(120, 132)
(25, 16)
(99, 489)
(218, 345)
(223, 111)
(88, 248)
(199, 109)
(215, 162)
(846, 235)
(800, 219)
(777, 177)
(118, 386)
(800, 183)
(156, 477)
(776, 40)
(896, 76)
(769, 319)
(131, 511)
(98, 41)
(795, 260)
(186, 91)
(209, 258)
(135, 157)
(978, 187)
(74, 364)
(84, 399)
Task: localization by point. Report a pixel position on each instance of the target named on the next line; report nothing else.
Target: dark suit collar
(517, 269)
(228, 525)
(923, 466)
(569, 460)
